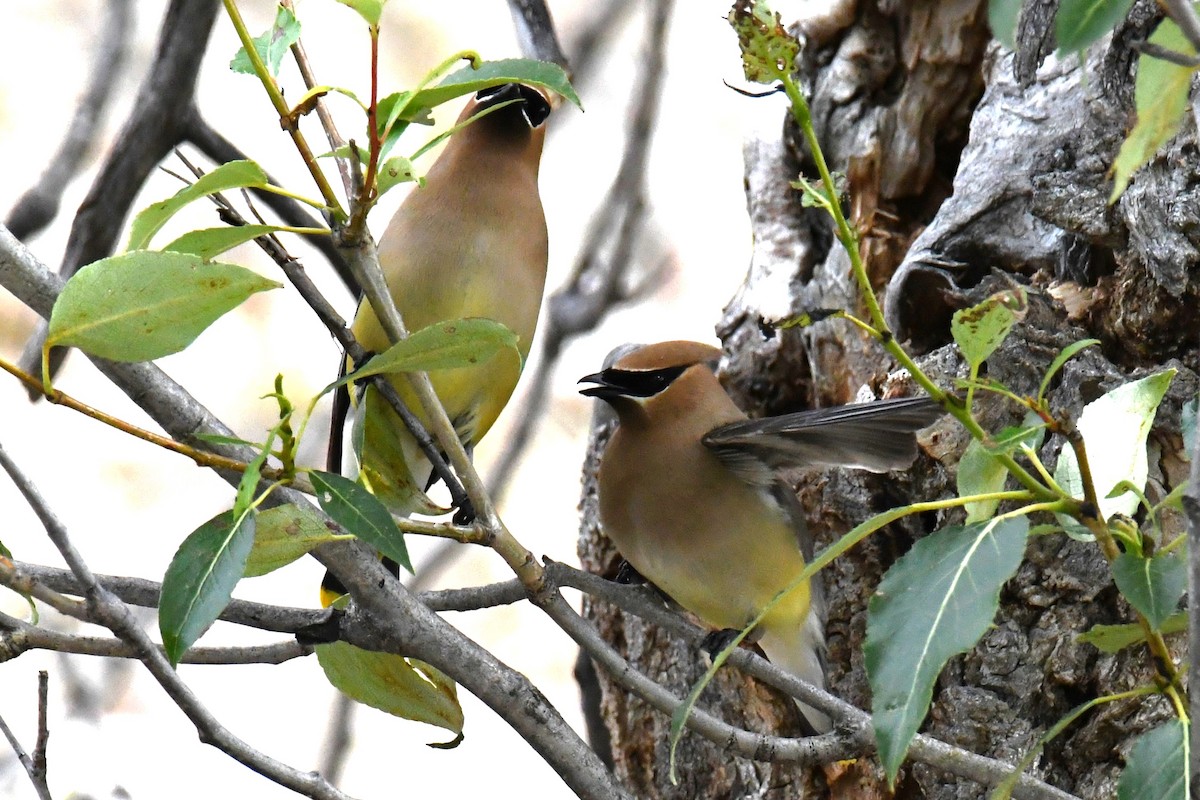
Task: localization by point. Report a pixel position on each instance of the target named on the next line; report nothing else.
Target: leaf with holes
(979, 330)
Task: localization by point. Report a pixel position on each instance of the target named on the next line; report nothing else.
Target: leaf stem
(849, 240)
(286, 120)
(1095, 523)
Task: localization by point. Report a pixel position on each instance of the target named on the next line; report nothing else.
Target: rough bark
(970, 170)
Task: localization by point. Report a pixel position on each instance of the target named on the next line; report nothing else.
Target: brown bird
(471, 242)
(690, 491)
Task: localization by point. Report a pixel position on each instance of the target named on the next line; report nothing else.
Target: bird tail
(800, 650)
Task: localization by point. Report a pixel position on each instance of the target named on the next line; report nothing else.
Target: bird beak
(603, 389)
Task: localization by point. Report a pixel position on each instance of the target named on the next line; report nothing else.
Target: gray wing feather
(873, 436)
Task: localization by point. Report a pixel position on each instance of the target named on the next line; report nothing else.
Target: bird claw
(464, 514)
(716, 641)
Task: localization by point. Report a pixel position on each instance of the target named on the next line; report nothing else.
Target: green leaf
(469, 80)
(216, 438)
(1114, 638)
(1060, 360)
(1114, 429)
(248, 484)
(394, 172)
(979, 330)
(143, 305)
(1002, 18)
(272, 45)
(768, 50)
(443, 345)
(200, 579)
(370, 10)
(1158, 765)
(233, 175)
(934, 603)
(1081, 22)
(283, 534)
(384, 449)
(1161, 99)
(211, 242)
(980, 472)
(1187, 426)
(1151, 585)
(360, 512)
(407, 689)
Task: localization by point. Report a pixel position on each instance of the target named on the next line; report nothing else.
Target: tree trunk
(969, 170)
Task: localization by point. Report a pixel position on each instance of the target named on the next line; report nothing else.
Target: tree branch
(417, 631)
(109, 611)
(535, 31)
(38, 207)
(19, 637)
(155, 126)
(35, 770)
(594, 286)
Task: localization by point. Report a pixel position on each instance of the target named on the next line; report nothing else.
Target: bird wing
(873, 436)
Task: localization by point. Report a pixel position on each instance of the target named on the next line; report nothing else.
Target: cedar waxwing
(690, 494)
(471, 242)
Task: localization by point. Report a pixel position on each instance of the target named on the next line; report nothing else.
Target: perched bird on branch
(471, 242)
(690, 492)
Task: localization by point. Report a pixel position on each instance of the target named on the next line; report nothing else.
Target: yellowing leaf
(1161, 99)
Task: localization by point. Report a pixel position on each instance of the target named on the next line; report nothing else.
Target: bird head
(638, 375)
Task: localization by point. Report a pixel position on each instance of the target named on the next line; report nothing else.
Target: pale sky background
(128, 505)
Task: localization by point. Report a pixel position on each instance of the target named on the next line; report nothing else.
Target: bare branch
(36, 773)
(156, 125)
(1186, 18)
(338, 738)
(19, 637)
(604, 259)
(109, 611)
(535, 31)
(604, 21)
(38, 207)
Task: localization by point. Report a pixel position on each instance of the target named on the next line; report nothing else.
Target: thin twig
(109, 611)
(334, 137)
(36, 776)
(338, 738)
(19, 637)
(1186, 18)
(155, 125)
(40, 204)
(535, 31)
(43, 736)
(604, 259)
(591, 36)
